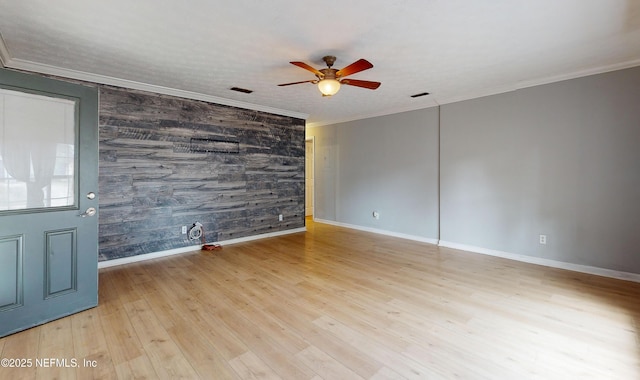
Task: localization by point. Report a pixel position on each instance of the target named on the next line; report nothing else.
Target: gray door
(48, 201)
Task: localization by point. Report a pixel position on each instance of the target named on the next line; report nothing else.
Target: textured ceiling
(454, 49)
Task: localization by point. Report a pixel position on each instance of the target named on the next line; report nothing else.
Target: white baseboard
(378, 231)
(627, 276)
(176, 251)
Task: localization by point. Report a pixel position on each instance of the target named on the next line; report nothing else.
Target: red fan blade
(307, 67)
(304, 81)
(361, 83)
(356, 67)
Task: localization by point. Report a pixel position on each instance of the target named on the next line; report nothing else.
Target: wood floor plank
(201, 353)
(250, 366)
(185, 306)
(56, 353)
(24, 345)
(121, 338)
(164, 354)
(339, 303)
(354, 358)
(324, 365)
(403, 365)
(108, 299)
(90, 346)
(386, 374)
(278, 332)
(267, 348)
(137, 368)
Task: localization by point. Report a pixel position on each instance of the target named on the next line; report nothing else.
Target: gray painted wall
(560, 159)
(388, 164)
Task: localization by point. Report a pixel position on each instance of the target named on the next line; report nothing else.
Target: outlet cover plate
(543, 239)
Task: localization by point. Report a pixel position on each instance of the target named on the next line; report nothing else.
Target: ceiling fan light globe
(328, 87)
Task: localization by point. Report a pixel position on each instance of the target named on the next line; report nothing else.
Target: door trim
(312, 140)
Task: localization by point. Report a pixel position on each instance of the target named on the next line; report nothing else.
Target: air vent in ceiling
(243, 90)
(420, 94)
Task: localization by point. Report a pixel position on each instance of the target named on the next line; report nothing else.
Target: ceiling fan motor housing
(329, 60)
(328, 74)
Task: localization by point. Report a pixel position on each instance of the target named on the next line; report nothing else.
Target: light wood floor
(335, 303)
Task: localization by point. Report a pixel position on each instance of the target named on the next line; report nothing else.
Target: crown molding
(542, 81)
(41, 68)
(580, 73)
(433, 101)
(478, 94)
(437, 101)
(5, 57)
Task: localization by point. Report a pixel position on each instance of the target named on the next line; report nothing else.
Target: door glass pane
(37, 151)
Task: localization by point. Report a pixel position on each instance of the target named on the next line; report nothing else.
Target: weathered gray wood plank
(153, 181)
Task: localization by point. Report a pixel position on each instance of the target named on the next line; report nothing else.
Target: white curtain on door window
(31, 128)
(31, 162)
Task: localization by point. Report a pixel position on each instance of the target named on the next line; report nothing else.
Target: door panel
(61, 259)
(11, 279)
(48, 160)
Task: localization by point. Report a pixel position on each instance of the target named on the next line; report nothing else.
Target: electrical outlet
(280, 218)
(543, 239)
(184, 230)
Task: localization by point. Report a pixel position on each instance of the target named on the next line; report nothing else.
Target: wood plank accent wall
(166, 162)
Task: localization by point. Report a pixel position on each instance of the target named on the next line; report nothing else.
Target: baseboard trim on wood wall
(627, 276)
(192, 248)
(378, 231)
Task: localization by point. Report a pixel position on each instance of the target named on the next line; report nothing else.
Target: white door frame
(313, 170)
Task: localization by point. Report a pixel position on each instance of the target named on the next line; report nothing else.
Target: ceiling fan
(329, 80)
